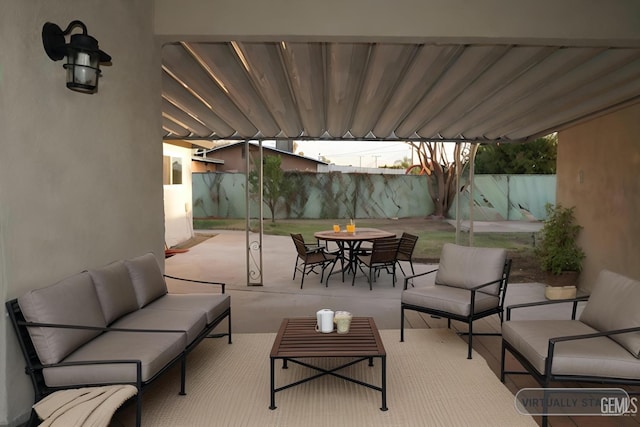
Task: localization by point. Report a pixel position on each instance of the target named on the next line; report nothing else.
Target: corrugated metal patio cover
(388, 91)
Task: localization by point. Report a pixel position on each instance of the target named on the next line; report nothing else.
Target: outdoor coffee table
(297, 339)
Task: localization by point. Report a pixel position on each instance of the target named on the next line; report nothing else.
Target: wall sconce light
(83, 55)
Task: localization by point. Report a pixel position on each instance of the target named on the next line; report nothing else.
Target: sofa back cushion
(614, 304)
(466, 267)
(115, 290)
(72, 301)
(147, 279)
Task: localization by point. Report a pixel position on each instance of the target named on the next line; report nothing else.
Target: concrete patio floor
(261, 308)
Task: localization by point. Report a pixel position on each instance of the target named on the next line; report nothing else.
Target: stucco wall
(598, 164)
(588, 22)
(80, 175)
(178, 223)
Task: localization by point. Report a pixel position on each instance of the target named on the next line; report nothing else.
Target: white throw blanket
(86, 407)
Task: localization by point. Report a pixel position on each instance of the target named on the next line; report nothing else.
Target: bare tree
(439, 165)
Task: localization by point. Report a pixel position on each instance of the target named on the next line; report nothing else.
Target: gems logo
(576, 401)
(619, 405)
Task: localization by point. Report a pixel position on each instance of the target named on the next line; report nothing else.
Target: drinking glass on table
(336, 228)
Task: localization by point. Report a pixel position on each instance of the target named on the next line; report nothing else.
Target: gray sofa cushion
(191, 322)
(115, 290)
(614, 304)
(600, 356)
(147, 279)
(212, 305)
(72, 301)
(155, 350)
(466, 267)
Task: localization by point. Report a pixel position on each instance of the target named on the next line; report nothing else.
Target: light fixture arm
(75, 24)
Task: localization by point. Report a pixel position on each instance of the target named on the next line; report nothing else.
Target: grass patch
(432, 235)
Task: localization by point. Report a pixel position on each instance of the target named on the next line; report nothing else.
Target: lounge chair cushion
(148, 281)
(613, 304)
(599, 357)
(448, 299)
(115, 290)
(72, 301)
(466, 267)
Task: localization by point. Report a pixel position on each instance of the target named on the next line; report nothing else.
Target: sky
(366, 154)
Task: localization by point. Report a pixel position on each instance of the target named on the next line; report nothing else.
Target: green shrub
(558, 250)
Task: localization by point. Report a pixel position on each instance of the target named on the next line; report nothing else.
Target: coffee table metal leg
(384, 383)
(273, 385)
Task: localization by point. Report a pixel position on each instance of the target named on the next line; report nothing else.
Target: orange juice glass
(336, 228)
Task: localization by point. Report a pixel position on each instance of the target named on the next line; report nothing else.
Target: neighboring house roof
(266, 150)
(207, 160)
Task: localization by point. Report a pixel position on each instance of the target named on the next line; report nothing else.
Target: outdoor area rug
(430, 382)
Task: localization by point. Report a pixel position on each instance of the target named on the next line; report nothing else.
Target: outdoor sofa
(115, 324)
(601, 346)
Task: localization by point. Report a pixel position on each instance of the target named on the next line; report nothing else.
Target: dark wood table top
(298, 338)
(361, 234)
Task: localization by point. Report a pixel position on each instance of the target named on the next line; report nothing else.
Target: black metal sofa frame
(34, 367)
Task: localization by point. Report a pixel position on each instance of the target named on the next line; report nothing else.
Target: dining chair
(405, 250)
(311, 256)
(382, 256)
(470, 283)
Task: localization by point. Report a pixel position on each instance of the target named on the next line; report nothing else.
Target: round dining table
(349, 243)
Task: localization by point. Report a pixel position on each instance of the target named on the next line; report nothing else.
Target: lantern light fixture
(82, 52)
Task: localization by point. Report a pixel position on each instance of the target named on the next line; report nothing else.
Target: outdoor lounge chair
(469, 284)
(603, 346)
(311, 256)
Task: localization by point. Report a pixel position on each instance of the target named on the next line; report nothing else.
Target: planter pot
(561, 286)
(560, 292)
(565, 278)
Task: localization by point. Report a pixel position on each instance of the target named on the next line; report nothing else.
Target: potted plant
(558, 252)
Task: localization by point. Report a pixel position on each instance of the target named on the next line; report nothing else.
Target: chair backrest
(384, 250)
(613, 304)
(407, 244)
(298, 240)
(466, 267)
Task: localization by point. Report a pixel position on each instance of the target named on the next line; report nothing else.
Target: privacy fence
(357, 195)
